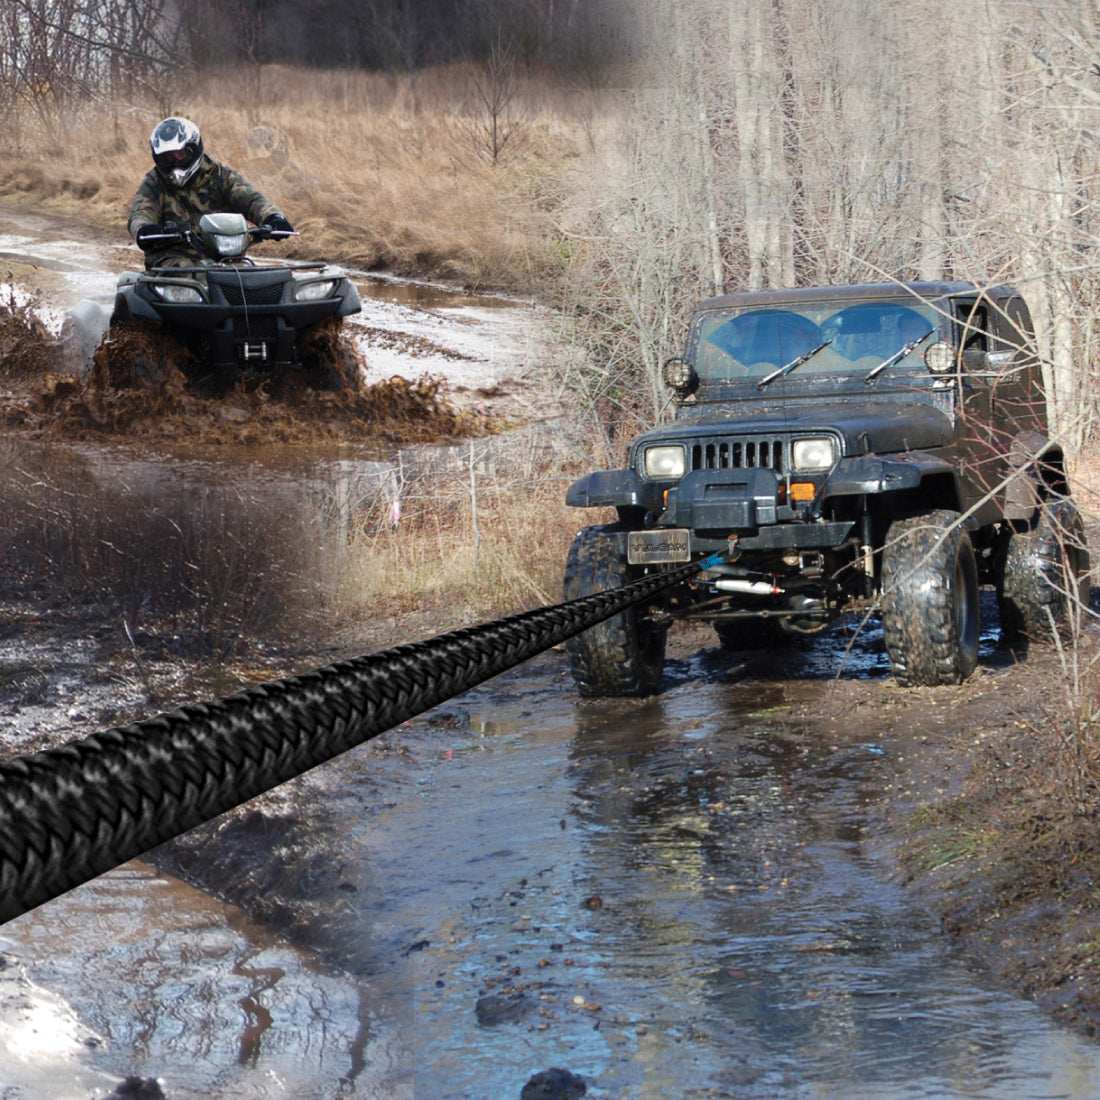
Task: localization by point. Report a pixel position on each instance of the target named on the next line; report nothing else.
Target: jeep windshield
(751, 344)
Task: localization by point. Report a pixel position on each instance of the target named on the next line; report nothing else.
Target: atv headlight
(229, 244)
(812, 454)
(312, 291)
(662, 463)
(177, 293)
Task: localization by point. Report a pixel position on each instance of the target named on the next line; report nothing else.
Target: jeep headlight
(813, 454)
(665, 463)
(315, 290)
(177, 293)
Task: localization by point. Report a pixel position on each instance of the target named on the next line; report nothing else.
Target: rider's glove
(278, 225)
(145, 232)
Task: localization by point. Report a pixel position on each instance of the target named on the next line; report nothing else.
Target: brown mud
(44, 398)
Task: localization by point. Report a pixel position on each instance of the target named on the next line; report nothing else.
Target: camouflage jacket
(213, 189)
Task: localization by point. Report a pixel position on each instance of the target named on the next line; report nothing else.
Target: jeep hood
(884, 428)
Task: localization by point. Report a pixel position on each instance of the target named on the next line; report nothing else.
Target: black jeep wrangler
(853, 450)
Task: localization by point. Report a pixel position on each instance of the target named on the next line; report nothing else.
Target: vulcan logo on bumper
(658, 547)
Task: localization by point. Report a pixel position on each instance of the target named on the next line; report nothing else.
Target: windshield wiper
(898, 355)
(788, 367)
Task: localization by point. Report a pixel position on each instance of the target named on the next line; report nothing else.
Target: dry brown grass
(461, 551)
(375, 170)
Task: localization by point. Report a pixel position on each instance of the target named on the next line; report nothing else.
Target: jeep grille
(733, 454)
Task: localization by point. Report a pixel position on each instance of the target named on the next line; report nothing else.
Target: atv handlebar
(192, 239)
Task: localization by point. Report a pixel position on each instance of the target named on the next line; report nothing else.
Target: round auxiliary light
(677, 373)
(940, 358)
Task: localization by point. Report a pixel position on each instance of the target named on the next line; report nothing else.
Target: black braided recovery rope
(70, 813)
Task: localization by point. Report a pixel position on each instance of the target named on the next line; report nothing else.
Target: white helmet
(177, 150)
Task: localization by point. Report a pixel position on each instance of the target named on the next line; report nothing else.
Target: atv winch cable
(70, 813)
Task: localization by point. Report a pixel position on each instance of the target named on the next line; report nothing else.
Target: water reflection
(747, 941)
(174, 985)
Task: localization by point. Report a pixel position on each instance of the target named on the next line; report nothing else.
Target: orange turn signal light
(803, 491)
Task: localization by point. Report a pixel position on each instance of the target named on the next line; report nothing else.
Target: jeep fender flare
(1036, 471)
(915, 481)
(890, 474)
(613, 489)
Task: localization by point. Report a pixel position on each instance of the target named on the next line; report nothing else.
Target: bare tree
(795, 142)
(53, 52)
(497, 120)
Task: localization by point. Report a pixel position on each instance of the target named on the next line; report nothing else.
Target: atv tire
(1044, 582)
(623, 655)
(930, 608)
(135, 355)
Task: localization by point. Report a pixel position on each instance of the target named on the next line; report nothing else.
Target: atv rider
(184, 184)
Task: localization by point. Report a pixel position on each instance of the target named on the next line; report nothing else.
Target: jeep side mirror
(678, 374)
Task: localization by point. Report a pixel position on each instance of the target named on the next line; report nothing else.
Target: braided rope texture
(70, 813)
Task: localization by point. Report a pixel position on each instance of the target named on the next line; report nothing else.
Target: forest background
(619, 159)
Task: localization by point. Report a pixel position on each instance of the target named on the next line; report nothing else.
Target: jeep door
(983, 448)
(1016, 379)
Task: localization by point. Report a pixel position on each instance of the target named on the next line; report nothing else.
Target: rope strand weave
(70, 813)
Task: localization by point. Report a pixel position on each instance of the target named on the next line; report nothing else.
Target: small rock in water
(137, 1088)
(554, 1084)
(500, 1008)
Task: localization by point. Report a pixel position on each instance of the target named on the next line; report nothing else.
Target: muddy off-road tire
(1044, 584)
(930, 608)
(624, 655)
(134, 355)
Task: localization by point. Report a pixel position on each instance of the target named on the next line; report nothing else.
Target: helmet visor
(178, 165)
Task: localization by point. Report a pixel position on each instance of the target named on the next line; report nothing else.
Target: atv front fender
(130, 306)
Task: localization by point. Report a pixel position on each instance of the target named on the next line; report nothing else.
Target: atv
(224, 320)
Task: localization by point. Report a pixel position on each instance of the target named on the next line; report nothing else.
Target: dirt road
(690, 895)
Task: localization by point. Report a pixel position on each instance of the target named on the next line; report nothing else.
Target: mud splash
(28, 349)
(141, 387)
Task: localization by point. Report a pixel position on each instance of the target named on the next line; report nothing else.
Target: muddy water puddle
(138, 974)
(676, 898)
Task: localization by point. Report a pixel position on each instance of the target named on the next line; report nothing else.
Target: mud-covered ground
(678, 839)
(702, 887)
(697, 894)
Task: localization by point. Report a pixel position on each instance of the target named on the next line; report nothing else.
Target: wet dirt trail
(686, 896)
(674, 898)
(679, 897)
